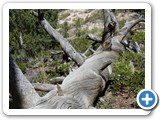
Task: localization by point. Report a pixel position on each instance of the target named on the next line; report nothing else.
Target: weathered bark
(55, 52)
(110, 27)
(57, 80)
(66, 46)
(82, 87)
(43, 87)
(121, 36)
(23, 93)
(128, 26)
(94, 38)
(53, 101)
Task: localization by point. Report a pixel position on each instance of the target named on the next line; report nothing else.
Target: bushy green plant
(121, 24)
(126, 77)
(34, 36)
(63, 69)
(81, 43)
(78, 27)
(64, 29)
(138, 36)
(129, 70)
(106, 104)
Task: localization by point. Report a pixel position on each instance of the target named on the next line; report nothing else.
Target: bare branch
(43, 87)
(55, 52)
(66, 46)
(93, 38)
(93, 51)
(137, 47)
(57, 80)
(128, 26)
(90, 48)
(87, 49)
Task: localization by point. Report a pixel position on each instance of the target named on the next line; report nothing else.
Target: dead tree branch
(110, 26)
(82, 87)
(88, 82)
(43, 87)
(57, 80)
(94, 38)
(80, 90)
(66, 46)
(128, 26)
(55, 52)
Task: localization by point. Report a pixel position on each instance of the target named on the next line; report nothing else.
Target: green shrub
(44, 77)
(138, 36)
(121, 24)
(78, 24)
(63, 69)
(127, 78)
(81, 43)
(64, 29)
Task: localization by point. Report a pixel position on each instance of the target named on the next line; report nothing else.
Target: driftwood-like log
(82, 87)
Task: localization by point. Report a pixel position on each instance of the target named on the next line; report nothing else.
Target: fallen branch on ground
(43, 87)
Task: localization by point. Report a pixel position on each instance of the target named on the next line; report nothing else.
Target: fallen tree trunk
(89, 81)
(86, 84)
(82, 87)
(22, 91)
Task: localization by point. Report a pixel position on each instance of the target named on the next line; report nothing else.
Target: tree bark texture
(66, 46)
(22, 91)
(82, 87)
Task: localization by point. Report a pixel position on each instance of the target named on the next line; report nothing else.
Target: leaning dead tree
(82, 87)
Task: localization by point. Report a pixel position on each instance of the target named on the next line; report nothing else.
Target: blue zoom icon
(147, 99)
